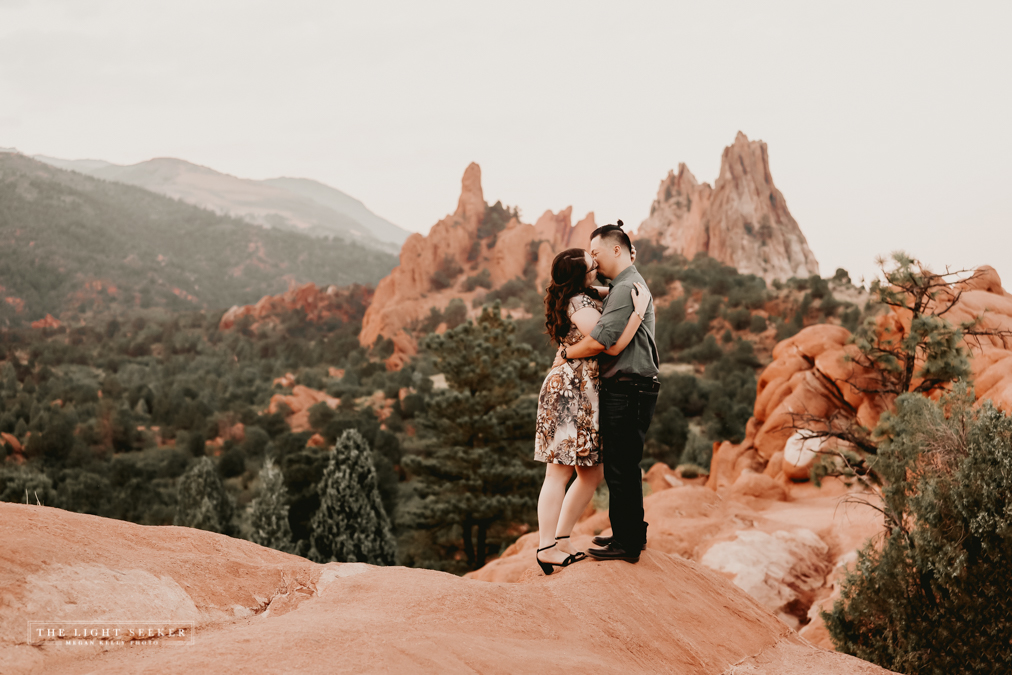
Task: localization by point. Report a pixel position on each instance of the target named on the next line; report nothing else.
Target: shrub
(648, 252)
(21, 484)
(84, 492)
(757, 324)
(446, 273)
(233, 462)
(455, 313)
(667, 435)
(692, 471)
(705, 352)
(851, 318)
(698, 453)
(684, 335)
(514, 288)
(709, 309)
(496, 218)
(935, 594)
(482, 279)
(740, 319)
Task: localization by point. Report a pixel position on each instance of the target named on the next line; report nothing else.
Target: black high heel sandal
(549, 567)
(576, 557)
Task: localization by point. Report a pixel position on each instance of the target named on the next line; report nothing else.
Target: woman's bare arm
(585, 319)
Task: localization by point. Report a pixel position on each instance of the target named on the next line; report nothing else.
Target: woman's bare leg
(579, 495)
(553, 493)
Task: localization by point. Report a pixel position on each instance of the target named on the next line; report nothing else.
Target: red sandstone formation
(296, 405)
(12, 441)
(742, 220)
(49, 322)
(319, 304)
(408, 293)
(786, 555)
(256, 609)
(811, 366)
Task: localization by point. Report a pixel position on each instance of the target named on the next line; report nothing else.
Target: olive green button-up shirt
(640, 356)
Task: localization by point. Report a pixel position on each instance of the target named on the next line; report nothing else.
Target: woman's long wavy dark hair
(569, 269)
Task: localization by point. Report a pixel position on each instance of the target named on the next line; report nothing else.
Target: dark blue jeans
(626, 410)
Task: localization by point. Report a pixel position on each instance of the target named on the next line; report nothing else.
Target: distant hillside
(297, 204)
(71, 242)
(338, 201)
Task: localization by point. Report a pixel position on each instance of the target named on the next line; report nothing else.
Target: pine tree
(935, 594)
(481, 474)
(269, 510)
(202, 501)
(351, 524)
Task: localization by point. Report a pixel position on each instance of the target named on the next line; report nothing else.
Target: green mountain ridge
(297, 204)
(72, 242)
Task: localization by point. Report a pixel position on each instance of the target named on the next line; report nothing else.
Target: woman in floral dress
(567, 425)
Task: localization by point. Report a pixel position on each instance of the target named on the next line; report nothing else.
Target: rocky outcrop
(810, 374)
(256, 609)
(48, 322)
(295, 406)
(786, 555)
(319, 304)
(454, 249)
(741, 221)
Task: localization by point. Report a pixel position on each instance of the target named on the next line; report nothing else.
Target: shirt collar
(624, 274)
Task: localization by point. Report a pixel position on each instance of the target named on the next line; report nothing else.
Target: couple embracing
(597, 401)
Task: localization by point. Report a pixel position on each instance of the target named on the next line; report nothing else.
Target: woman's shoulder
(582, 301)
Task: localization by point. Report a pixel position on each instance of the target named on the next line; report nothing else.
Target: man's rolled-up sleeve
(615, 317)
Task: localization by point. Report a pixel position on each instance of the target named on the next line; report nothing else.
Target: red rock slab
(664, 614)
(661, 615)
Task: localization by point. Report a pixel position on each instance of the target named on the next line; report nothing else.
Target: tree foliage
(935, 595)
(930, 354)
(60, 227)
(480, 472)
(202, 501)
(269, 510)
(351, 524)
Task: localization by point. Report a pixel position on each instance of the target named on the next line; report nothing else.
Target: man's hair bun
(619, 222)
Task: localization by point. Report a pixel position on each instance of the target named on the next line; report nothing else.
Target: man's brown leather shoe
(606, 541)
(613, 552)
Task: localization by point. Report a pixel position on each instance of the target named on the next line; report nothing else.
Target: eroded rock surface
(742, 221)
(258, 610)
(813, 373)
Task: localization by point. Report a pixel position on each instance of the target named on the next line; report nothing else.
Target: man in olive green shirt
(628, 393)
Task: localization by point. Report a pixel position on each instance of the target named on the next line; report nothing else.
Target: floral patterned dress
(567, 425)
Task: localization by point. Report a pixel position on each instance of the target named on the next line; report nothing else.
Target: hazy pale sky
(888, 123)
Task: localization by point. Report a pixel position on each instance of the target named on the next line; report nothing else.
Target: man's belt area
(638, 382)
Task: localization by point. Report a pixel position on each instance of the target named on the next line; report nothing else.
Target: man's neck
(622, 267)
